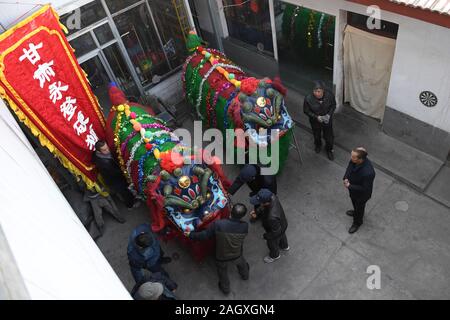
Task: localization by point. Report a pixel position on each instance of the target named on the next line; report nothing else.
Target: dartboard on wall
(428, 99)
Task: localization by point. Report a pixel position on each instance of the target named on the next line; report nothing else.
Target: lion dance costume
(182, 195)
(225, 98)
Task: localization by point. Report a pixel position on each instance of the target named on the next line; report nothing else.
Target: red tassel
(171, 161)
(116, 96)
(279, 86)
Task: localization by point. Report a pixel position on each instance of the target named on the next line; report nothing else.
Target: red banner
(47, 89)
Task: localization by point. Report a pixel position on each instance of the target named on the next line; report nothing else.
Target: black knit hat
(318, 84)
(144, 240)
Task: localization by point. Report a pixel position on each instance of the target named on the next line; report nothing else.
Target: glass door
(99, 79)
(305, 40)
(142, 42)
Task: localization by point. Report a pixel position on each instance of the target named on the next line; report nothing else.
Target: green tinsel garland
(193, 86)
(297, 36)
(126, 128)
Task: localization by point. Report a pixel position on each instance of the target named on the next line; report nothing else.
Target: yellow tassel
(45, 142)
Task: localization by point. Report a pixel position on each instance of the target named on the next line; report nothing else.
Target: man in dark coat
(251, 175)
(111, 173)
(230, 235)
(320, 107)
(358, 179)
(144, 252)
(274, 223)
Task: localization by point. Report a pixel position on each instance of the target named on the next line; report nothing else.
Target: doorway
(368, 59)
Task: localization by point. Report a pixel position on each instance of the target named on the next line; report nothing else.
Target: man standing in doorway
(358, 179)
(319, 107)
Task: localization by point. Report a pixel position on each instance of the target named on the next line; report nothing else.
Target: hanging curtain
(368, 62)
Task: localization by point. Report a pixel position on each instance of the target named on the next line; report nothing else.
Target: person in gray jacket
(230, 235)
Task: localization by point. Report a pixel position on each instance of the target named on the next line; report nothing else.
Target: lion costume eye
(261, 102)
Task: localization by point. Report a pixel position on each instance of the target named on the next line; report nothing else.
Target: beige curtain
(368, 62)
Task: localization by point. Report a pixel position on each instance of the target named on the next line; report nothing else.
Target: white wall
(422, 63)
(54, 253)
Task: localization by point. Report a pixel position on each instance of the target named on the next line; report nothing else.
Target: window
(117, 5)
(104, 34)
(153, 33)
(88, 14)
(173, 27)
(249, 21)
(83, 44)
(142, 44)
(120, 70)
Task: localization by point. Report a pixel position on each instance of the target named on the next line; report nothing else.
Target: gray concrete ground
(406, 234)
(439, 188)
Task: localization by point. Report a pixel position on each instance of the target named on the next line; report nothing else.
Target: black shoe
(166, 260)
(244, 276)
(224, 290)
(354, 228)
(318, 149)
(330, 155)
(350, 213)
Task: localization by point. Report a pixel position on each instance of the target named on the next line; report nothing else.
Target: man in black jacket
(274, 222)
(358, 179)
(251, 175)
(319, 107)
(230, 235)
(111, 173)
